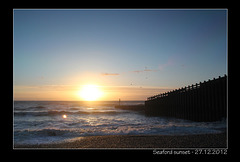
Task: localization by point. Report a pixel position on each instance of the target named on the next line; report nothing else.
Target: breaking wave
(63, 112)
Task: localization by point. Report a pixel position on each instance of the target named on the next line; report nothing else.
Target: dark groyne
(205, 101)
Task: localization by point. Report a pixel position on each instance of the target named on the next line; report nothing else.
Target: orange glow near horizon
(85, 92)
(90, 93)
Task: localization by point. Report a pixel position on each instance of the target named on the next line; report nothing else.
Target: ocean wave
(39, 107)
(74, 108)
(51, 134)
(65, 112)
(78, 132)
(29, 108)
(20, 108)
(31, 113)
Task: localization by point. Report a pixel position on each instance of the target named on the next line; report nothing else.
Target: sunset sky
(127, 54)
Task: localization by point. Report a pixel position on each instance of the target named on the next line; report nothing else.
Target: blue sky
(143, 48)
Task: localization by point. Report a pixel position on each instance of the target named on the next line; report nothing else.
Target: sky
(130, 54)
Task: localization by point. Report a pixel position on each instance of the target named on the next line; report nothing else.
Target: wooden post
(222, 97)
(207, 101)
(172, 108)
(188, 103)
(192, 102)
(204, 106)
(181, 102)
(215, 94)
(224, 85)
(167, 105)
(173, 103)
(185, 103)
(196, 103)
(201, 102)
(177, 103)
(210, 110)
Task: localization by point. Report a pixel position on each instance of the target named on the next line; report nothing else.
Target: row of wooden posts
(204, 101)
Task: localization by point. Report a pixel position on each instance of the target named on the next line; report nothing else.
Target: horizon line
(77, 100)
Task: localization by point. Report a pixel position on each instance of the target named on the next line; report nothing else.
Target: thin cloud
(110, 74)
(138, 71)
(150, 70)
(145, 70)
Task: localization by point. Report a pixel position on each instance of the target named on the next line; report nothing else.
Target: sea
(44, 122)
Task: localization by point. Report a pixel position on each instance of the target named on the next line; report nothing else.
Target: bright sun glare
(90, 92)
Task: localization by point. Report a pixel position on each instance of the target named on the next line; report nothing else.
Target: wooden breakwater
(205, 101)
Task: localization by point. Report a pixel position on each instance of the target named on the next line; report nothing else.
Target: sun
(90, 92)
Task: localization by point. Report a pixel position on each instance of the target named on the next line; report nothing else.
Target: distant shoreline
(139, 141)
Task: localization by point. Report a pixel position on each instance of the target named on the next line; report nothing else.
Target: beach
(139, 141)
